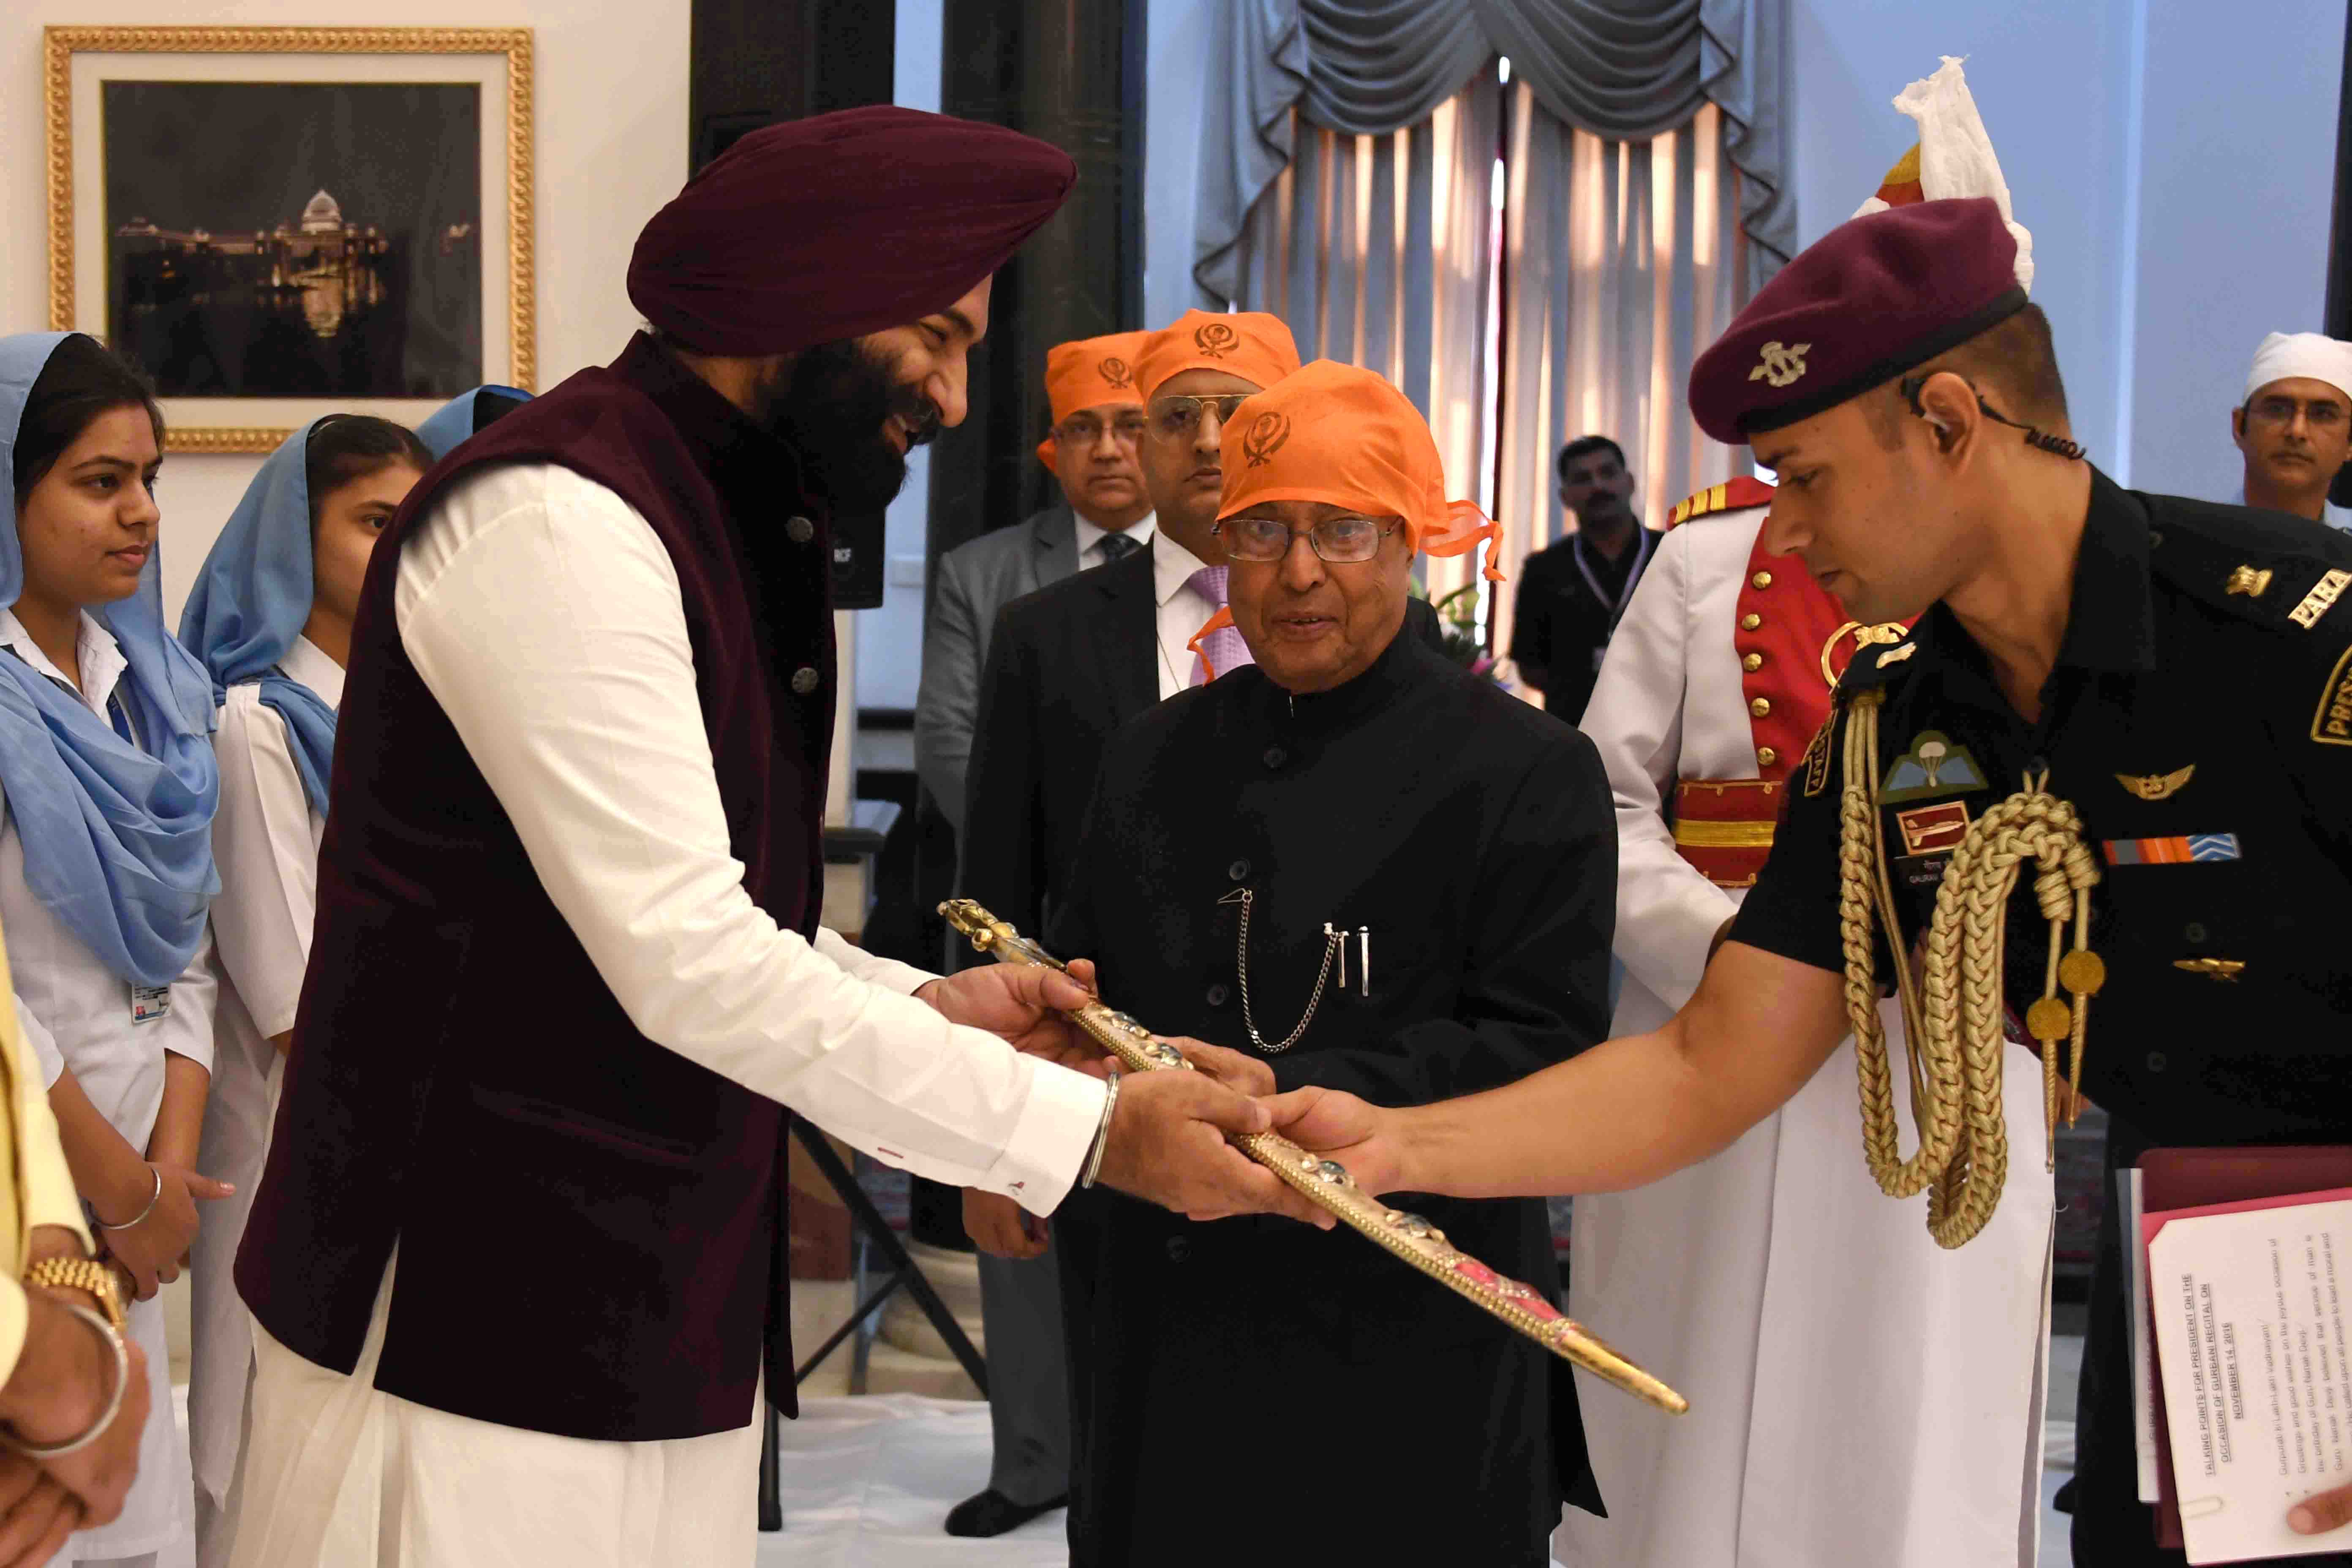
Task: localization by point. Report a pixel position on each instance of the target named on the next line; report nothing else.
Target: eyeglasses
(1335, 539)
(2321, 414)
(1176, 416)
(1084, 430)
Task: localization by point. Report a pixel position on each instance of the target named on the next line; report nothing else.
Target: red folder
(2194, 1178)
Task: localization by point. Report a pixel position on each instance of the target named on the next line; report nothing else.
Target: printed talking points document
(2250, 1303)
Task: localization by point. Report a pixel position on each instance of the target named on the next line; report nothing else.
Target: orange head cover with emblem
(1247, 343)
(1343, 435)
(1091, 373)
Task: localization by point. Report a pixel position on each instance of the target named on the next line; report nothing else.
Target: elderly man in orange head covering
(1362, 866)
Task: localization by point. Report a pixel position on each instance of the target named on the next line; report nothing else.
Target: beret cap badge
(1266, 434)
(1779, 364)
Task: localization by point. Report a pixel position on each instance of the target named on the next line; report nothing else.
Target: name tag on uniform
(149, 1003)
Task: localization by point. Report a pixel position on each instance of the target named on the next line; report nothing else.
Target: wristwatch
(82, 1274)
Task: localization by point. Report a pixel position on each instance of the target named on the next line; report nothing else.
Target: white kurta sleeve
(262, 842)
(1667, 913)
(859, 964)
(544, 615)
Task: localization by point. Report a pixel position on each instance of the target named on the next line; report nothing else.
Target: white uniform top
(1858, 1394)
(266, 841)
(545, 617)
(1183, 611)
(77, 1014)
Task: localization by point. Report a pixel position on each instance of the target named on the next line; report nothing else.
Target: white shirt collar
(1091, 534)
(309, 664)
(1173, 566)
(95, 649)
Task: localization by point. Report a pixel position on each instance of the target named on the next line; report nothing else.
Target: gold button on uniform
(1761, 706)
(800, 530)
(1754, 661)
(1766, 756)
(1750, 622)
(805, 680)
(1762, 579)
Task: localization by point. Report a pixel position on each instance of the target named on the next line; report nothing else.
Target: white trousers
(337, 1475)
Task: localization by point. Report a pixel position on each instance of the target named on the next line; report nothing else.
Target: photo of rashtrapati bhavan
(321, 274)
(296, 240)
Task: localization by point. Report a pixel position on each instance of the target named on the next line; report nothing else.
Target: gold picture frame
(75, 63)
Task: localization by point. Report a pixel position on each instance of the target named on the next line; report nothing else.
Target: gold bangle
(82, 1274)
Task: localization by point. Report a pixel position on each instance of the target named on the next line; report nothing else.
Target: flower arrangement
(1457, 619)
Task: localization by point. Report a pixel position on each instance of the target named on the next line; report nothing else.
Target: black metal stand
(874, 1232)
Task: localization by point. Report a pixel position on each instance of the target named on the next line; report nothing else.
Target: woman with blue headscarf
(105, 867)
(270, 617)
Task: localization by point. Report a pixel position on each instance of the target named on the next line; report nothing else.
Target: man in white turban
(2295, 425)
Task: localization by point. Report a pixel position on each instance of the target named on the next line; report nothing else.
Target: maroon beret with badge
(1871, 298)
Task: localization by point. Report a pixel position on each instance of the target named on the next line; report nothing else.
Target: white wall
(610, 147)
(2052, 83)
(2237, 182)
(2177, 177)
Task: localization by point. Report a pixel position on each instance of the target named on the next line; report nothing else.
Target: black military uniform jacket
(2200, 719)
(1475, 837)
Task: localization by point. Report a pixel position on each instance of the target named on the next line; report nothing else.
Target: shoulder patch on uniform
(2332, 724)
(1816, 761)
(1740, 494)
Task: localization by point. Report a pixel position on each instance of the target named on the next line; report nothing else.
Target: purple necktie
(1223, 648)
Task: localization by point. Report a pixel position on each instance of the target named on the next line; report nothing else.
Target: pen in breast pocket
(1364, 958)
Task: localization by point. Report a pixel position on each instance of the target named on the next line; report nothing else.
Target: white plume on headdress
(1956, 156)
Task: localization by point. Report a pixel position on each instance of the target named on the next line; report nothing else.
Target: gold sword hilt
(1327, 1185)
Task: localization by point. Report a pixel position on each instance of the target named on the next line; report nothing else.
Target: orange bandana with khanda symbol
(1345, 436)
(1090, 373)
(1250, 344)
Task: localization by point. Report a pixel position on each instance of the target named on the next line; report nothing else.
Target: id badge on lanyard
(149, 1003)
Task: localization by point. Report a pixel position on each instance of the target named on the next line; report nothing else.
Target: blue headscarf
(451, 424)
(118, 843)
(252, 599)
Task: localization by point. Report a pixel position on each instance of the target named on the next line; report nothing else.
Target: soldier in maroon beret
(2111, 760)
(569, 971)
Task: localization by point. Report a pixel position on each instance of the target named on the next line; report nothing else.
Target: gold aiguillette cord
(1326, 1184)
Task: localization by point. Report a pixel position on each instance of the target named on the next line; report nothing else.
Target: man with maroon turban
(518, 1259)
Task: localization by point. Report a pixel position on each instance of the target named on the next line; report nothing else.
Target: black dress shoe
(992, 1513)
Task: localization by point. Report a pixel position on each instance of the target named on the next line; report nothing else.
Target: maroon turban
(841, 224)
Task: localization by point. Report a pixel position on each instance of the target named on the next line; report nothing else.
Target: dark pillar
(754, 62)
(1070, 73)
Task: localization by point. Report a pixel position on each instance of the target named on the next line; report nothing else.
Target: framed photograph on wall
(276, 221)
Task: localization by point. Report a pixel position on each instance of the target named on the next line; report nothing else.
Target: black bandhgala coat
(1253, 1390)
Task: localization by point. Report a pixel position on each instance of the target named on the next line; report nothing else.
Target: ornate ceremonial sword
(1326, 1184)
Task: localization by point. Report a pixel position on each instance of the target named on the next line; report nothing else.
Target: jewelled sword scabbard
(1326, 1184)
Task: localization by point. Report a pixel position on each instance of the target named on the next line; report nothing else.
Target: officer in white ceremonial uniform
(1858, 1393)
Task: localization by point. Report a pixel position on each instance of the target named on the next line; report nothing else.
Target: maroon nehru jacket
(1872, 298)
(590, 1226)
